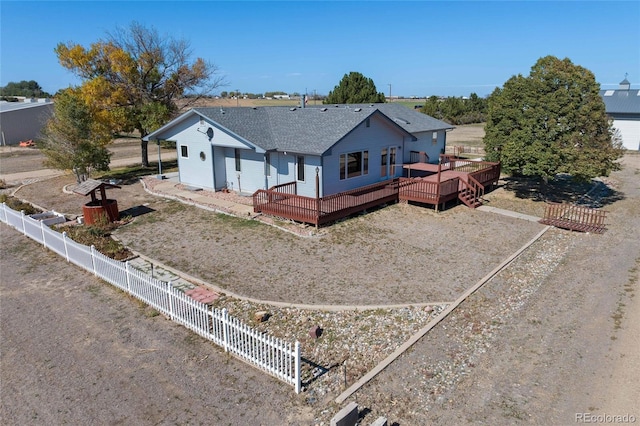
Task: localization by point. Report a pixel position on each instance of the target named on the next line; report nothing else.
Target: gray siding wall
(425, 144)
(379, 135)
(24, 123)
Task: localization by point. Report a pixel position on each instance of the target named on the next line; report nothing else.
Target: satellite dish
(210, 133)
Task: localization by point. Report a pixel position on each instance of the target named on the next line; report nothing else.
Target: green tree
(551, 122)
(29, 89)
(73, 140)
(354, 88)
(135, 77)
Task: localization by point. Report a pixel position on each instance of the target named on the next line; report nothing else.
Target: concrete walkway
(170, 187)
(509, 213)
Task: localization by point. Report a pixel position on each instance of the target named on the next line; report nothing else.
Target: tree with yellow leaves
(133, 77)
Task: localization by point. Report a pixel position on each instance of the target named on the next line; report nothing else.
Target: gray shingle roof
(310, 130)
(621, 101)
(302, 130)
(409, 119)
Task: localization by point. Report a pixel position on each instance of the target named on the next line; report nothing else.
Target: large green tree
(551, 122)
(135, 76)
(73, 139)
(354, 88)
(29, 89)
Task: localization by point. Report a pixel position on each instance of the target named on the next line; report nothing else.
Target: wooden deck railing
(574, 217)
(489, 175)
(282, 201)
(318, 211)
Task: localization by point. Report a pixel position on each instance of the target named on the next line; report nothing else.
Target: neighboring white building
(21, 121)
(623, 106)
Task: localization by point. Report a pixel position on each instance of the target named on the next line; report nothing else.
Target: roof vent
(292, 109)
(358, 109)
(400, 120)
(609, 92)
(323, 109)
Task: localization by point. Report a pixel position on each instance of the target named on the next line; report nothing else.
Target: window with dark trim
(184, 151)
(434, 138)
(354, 164)
(237, 155)
(267, 164)
(300, 168)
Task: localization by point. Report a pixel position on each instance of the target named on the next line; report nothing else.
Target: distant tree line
(28, 89)
(248, 95)
(455, 110)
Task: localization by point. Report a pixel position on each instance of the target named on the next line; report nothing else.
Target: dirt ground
(77, 351)
(550, 337)
(15, 159)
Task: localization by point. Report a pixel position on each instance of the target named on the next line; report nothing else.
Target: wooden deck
(574, 218)
(455, 179)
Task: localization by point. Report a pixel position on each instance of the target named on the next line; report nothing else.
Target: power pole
(389, 92)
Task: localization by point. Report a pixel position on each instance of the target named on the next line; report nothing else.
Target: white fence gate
(270, 354)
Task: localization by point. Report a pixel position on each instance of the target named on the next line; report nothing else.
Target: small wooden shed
(98, 209)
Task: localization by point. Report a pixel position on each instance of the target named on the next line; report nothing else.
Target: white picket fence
(270, 354)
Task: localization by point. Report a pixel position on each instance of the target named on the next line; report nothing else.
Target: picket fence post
(225, 329)
(24, 228)
(170, 296)
(44, 243)
(64, 242)
(93, 259)
(298, 378)
(128, 272)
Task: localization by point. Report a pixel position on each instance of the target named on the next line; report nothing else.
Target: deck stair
(471, 193)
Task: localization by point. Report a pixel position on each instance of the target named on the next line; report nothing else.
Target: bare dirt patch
(77, 351)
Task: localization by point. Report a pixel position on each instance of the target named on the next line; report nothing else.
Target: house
(623, 106)
(346, 146)
(21, 121)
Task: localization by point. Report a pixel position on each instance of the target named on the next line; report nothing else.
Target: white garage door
(630, 131)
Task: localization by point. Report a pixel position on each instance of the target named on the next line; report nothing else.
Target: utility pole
(389, 92)
(237, 97)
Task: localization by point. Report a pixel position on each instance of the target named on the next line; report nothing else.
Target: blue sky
(420, 48)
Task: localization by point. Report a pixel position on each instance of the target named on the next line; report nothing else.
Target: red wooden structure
(574, 218)
(98, 210)
(452, 179)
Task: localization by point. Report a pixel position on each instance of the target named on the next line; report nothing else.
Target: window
(267, 164)
(300, 167)
(237, 155)
(184, 151)
(434, 138)
(354, 164)
(383, 163)
(202, 156)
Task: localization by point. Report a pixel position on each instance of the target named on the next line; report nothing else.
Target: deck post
(438, 186)
(317, 196)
